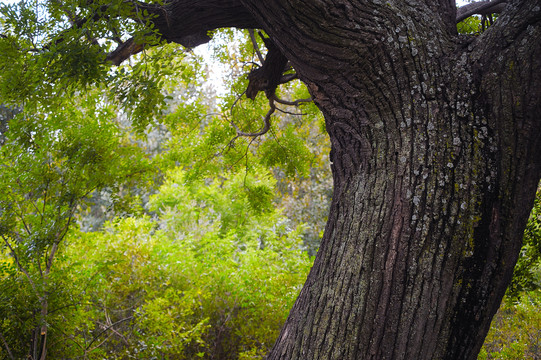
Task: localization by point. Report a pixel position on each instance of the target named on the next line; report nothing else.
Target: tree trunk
(436, 156)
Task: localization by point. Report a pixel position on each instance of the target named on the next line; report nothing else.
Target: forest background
(136, 223)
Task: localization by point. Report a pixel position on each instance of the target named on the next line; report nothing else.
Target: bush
(516, 330)
(153, 288)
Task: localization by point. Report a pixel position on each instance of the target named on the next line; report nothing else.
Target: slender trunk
(34, 348)
(45, 297)
(43, 327)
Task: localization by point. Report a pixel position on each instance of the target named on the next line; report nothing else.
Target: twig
(265, 128)
(107, 328)
(289, 112)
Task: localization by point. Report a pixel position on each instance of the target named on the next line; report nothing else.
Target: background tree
(435, 147)
(51, 164)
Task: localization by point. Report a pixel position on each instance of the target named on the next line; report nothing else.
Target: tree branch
(185, 22)
(256, 47)
(21, 268)
(292, 103)
(269, 75)
(7, 346)
(266, 125)
(188, 22)
(480, 8)
(107, 328)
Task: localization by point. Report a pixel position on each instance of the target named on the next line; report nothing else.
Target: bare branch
(292, 103)
(289, 112)
(256, 47)
(480, 8)
(107, 328)
(266, 120)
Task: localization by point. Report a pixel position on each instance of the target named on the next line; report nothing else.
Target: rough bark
(436, 157)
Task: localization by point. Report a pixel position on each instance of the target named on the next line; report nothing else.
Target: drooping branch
(266, 126)
(480, 8)
(266, 121)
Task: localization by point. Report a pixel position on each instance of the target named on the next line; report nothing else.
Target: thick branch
(124, 51)
(188, 22)
(269, 75)
(480, 8)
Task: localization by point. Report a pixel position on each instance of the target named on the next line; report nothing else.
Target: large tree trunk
(436, 154)
(436, 151)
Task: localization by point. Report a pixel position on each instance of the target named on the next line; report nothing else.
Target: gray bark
(435, 151)
(436, 144)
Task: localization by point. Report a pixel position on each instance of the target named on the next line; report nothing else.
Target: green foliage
(51, 164)
(288, 151)
(527, 273)
(210, 143)
(234, 201)
(470, 25)
(191, 282)
(214, 268)
(475, 25)
(515, 333)
(44, 57)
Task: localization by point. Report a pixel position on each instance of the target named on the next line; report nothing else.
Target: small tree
(51, 164)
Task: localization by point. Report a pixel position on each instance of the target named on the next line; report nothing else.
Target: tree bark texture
(436, 156)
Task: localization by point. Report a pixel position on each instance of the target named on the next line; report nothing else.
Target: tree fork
(435, 157)
(436, 143)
